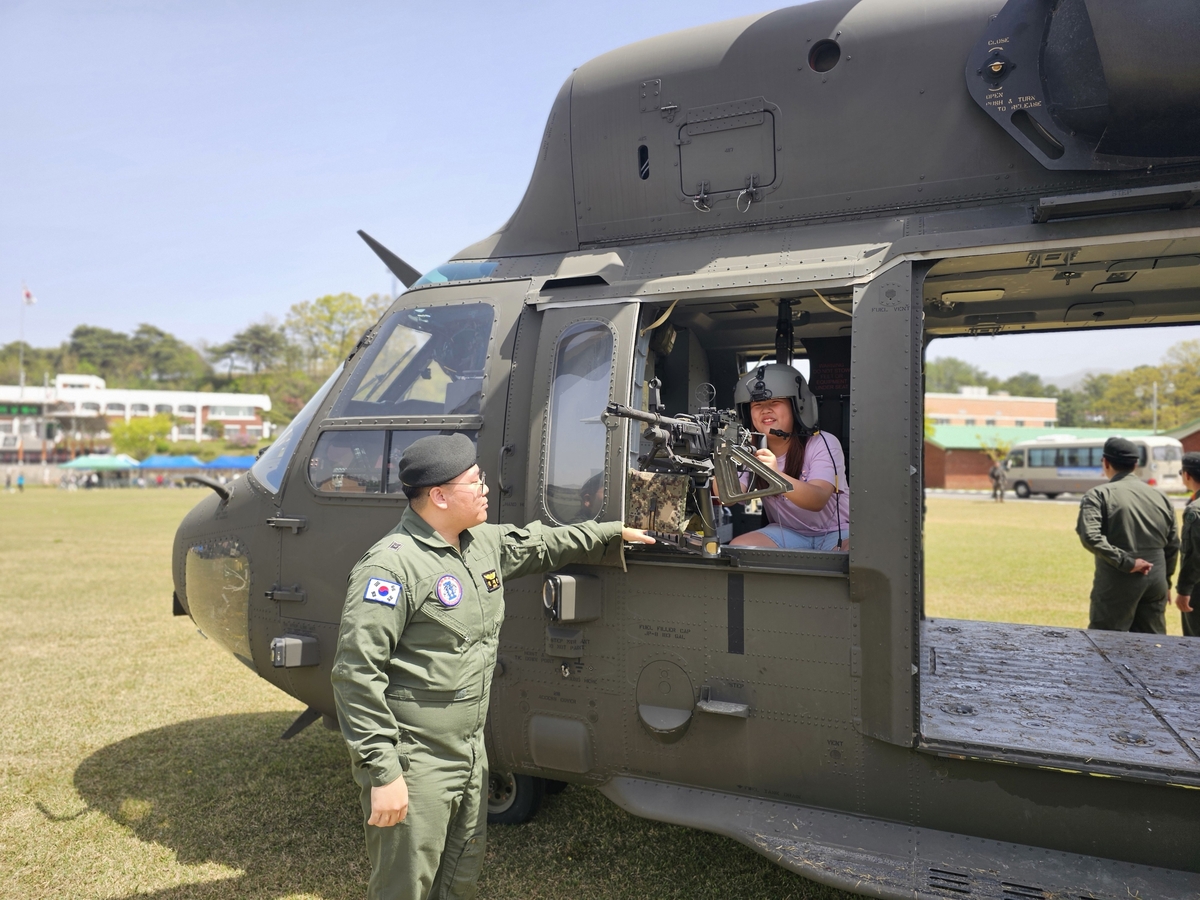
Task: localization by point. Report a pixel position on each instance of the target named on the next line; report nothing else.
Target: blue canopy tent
(162, 461)
(231, 462)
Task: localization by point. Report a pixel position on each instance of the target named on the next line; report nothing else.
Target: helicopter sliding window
(426, 362)
(357, 462)
(577, 441)
(348, 462)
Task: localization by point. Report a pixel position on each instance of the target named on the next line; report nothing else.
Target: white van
(1056, 464)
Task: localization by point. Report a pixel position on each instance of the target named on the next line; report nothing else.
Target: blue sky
(200, 166)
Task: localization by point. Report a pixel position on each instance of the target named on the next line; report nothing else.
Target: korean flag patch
(380, 591)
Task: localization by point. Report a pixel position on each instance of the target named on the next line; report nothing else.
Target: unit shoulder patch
(394, 545)
(491, 580)
(380, 591)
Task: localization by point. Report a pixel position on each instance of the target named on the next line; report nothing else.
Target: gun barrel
(640, 415)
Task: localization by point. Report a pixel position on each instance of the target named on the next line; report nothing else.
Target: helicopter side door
(564, 663)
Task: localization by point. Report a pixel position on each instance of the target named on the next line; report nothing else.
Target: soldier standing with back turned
(1130, 527)
(1189, 559)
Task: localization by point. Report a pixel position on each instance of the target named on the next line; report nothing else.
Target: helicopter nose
(211, 563)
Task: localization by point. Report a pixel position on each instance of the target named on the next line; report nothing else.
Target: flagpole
(21, 348)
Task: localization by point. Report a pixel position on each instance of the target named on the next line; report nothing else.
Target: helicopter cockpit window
(271, 466)
(577, 442)
(423, 362)
(348, 462)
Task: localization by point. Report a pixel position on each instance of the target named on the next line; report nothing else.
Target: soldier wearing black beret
(1189, 558)
(413, 668)
(1130, 528)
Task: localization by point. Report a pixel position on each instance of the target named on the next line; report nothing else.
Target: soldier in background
(1189, 559)
(1130, 528)
(999, 476)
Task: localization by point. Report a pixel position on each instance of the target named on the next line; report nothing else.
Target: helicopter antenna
(398, 267)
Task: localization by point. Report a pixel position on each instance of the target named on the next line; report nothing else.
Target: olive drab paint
(885, 172)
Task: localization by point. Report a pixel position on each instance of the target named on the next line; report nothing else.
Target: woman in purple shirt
(775, 401)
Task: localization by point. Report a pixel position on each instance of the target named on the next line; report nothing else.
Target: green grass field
(139, 760)
(1018, 561)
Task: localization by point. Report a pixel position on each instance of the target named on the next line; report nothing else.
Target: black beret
(436, 459)
(1191, 463)
(1121, 451)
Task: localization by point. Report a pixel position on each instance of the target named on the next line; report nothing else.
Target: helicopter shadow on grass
(227, 790)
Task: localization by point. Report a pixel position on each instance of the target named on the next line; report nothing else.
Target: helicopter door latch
(293, 594)
(721, 707)
(296, 523)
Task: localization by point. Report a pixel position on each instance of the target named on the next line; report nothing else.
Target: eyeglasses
(481, 484)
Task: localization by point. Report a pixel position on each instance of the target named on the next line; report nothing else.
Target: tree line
(287, 361)
(1121, 399)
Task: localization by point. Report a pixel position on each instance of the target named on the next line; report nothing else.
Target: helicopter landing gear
(514, 799)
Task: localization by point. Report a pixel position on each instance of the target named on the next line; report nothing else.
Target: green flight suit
(1189, 566)
(411, 679)
(1119, 522)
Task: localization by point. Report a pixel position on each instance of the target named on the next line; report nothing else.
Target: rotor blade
(402, 270)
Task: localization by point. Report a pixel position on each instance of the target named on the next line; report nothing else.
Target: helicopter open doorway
(1090, 701)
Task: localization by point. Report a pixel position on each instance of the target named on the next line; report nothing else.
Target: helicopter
(840, 183)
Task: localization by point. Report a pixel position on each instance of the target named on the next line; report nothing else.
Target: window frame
(378, 340)
(548, 425)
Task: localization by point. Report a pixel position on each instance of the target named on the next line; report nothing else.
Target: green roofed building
(956, 456)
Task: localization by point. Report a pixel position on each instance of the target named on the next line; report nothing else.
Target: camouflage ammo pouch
(657, 501)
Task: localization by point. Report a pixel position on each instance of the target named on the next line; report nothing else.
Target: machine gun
(710, 444)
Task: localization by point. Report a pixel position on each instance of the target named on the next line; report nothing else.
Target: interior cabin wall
(829, 379)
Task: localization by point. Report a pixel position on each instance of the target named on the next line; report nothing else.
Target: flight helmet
(771, 380)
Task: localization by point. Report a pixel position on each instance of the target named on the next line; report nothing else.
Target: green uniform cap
(436, 459)
(1120, 452)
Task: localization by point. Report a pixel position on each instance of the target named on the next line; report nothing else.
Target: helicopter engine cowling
(1093, 84)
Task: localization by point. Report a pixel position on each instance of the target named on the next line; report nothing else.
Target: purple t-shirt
(817, 466)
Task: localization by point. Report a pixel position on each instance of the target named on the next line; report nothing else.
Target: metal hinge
(296, 523)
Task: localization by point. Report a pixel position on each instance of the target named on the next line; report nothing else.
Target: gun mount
(711, 444)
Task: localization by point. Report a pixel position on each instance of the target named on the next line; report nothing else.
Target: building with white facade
(77, 400)
(975, 406)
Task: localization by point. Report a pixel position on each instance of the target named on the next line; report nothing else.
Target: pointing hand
(635, 536)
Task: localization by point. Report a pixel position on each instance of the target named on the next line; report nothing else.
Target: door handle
(296, 523)
(721, 707)
(294, 594)
(505, 450)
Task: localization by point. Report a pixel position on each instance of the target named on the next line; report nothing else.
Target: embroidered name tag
(491, 580)
(380, 591)
(448, 591)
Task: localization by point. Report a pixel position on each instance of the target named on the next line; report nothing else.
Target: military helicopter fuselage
(886, 172)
